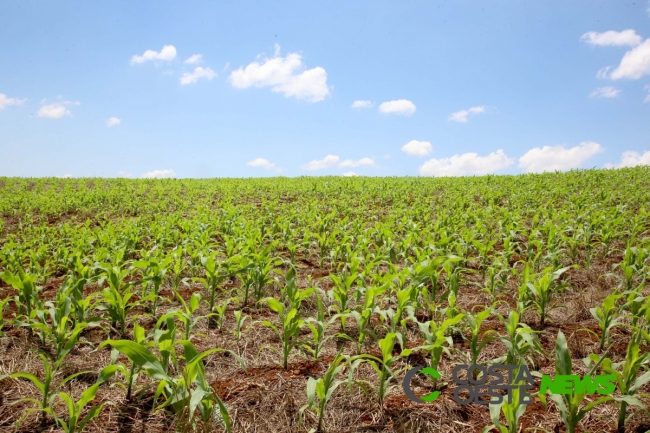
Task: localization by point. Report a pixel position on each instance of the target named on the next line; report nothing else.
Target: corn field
(298, 304)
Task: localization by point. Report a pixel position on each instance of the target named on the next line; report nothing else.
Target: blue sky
(297, 88)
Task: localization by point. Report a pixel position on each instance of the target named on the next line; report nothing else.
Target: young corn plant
(130, 374)
(154, 270)
(290, 325)
(384, 368)
(318, 327)
(215, 273)
(542, 291)
(46, 388)
(82, 307)
(74, 422)
(477, 340)
(436, 340)
(187, 314)
(73, 286)
(319, 391)
(116, 296)
(363, 318)
(395, 318)
(185, 395)
(520, 340)
(3, 306)
(570, 405)
(340, 293)
(606, 315)
(627, 378)
(164, 339)
(240, 319)
(61, 332)
(27, 299)
(512, 410)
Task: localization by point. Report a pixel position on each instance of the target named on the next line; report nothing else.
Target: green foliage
(289, 329)
(319, 391)
(571, 407)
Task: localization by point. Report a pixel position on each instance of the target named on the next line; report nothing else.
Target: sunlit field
(298, 304)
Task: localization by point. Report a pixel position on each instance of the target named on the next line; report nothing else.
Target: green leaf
(140, 356)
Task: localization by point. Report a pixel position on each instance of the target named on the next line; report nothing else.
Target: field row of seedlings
(297, 305)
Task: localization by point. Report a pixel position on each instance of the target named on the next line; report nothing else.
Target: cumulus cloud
(647, 98)
(362, 104)
(263, 163)
(159, 174)
(56, 110)
(124, 174)
(361, 162)
(552, 158)
(287, 75)
(334, 161)
(417, 148)
(168, 53)
(113, 121)
(612, 38)
(466, 164)
(194, 59)
(631, 159)
(635, 63)
(319, 164)
(350, 174)
(461, 116)
(403, 107)
(199, 72)
(6, 101)
(605, 92)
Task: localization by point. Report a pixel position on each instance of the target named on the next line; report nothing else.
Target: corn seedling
(571, 407)
(606, 314)
(626, 373)
(542, 291)
(319, 391)
(289, 330)
(384, 367)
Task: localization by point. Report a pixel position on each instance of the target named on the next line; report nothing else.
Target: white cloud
(602, 73)
(466, 164)
(159, 174)
(168, 53)
(124, 174)
(612, 38)
(361, 162)
(635, 63)
(285, 75)
(551, 158)
(199, 72)
(398, 106)
(113, 121)
(263, 163)
(5, 101)
(350, 174)
(417, 148)
(319, 164)
(361, 104)
(56, 110)
(647, 98)
(461, 116)
(334, 161)
(605, 92)
(65, 176)
(632, 159)
(192, 60)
